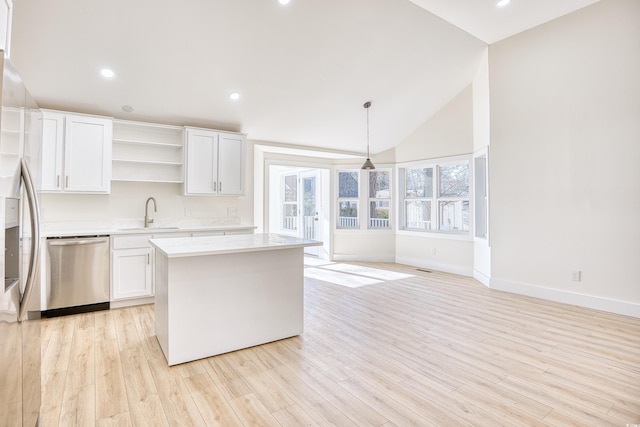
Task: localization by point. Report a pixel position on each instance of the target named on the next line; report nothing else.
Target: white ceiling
(484, 20)
(303, 70)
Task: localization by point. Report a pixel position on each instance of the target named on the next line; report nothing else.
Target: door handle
(34, 260)
(74, 242)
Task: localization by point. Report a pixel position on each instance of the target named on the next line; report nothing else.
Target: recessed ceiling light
(127, 108)
(503, 3)
(107, 73)
(234, 96)
(283, 2)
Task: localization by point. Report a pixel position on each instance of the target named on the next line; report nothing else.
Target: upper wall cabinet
(76, 153)
(147, 152)
(6, 12)
(215, 162)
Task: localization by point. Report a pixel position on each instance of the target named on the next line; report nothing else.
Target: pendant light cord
(367, 132)
(368, 165)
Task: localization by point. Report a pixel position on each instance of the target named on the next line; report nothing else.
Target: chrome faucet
(148, 221)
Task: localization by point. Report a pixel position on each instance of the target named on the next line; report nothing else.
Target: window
(348, 199)
(290, 204)
(379, 199)
(417, 199)
(453, 197)
(447, 209)
(481, 201)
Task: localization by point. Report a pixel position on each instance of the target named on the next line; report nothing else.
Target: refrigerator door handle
(35, 238)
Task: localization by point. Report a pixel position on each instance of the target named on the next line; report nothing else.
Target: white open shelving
(147, 152)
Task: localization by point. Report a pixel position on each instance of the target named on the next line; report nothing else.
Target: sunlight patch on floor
(343, 279)
(353, 276)
(313, 261)
(375, 273)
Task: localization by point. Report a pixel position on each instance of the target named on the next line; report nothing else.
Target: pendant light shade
(368, 164)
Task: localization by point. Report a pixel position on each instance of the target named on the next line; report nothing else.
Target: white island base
(224, 293)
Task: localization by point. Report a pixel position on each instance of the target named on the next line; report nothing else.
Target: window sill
(437, 235)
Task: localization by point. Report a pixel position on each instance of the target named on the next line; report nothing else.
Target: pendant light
(368, 164)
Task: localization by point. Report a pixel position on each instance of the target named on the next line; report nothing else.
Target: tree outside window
(348, 199)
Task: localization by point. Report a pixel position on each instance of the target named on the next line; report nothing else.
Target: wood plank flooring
(433, 349)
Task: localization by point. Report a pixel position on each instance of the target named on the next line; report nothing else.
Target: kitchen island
(218, 294)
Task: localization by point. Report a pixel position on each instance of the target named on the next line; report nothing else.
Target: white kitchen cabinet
(6, 12)
(215, 162)
(131, 267)
(76, 153)
(132, 273)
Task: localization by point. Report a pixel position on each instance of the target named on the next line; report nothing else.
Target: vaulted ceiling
(303, 70)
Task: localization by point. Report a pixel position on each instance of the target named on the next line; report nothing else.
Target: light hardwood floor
(433, 349)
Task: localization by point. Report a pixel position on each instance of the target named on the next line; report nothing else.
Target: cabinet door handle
(148, 262)
(220, 186)
(57, 181)
(66, 181)
(215, 186)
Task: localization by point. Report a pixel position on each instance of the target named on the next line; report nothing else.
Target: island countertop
(211, 245)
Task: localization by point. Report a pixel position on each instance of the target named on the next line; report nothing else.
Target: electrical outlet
(187, 211)
(433, 251)
(576, 275)
(232, 211)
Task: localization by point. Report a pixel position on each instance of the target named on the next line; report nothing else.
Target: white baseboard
(589, 301)
(482, 278)
(462, 270)
(132, 302)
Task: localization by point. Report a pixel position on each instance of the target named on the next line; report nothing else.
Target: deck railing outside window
(348, 222)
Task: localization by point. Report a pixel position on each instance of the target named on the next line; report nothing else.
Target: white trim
(567, 297)
(131, 302)
(482, 278)
(362, 258)
(466, 237)
(462, 270)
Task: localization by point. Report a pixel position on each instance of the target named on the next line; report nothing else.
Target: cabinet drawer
(131, 241)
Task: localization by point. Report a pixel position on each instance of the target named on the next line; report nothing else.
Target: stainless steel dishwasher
(78, 275)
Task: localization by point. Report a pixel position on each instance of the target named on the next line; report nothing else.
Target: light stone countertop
(123, 227)
(212, 245)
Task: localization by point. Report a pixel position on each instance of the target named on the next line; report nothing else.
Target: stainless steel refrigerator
(20, 165)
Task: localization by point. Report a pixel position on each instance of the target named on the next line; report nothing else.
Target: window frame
(435, 199)
(388, 200)
(339, 199)
(285, 203)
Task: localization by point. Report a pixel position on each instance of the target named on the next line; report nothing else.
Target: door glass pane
(454, 215)
(290, 216)
(310, 220)
(417, 214)
(348, 214)
(454, 180)
(419, 182)
(348, 184)
(309, 196)
(290, 188)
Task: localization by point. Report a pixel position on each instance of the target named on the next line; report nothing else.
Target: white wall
(448, 133)
(565, 152)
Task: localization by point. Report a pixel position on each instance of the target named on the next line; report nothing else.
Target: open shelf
(147, 152)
